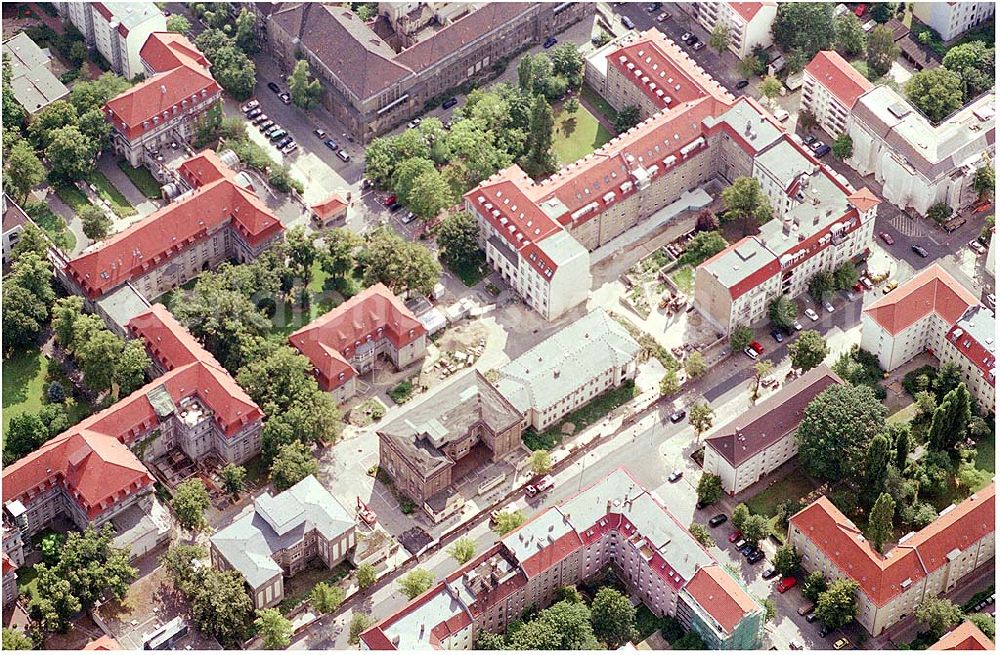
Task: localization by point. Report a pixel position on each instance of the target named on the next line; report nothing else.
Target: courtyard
(578, 134)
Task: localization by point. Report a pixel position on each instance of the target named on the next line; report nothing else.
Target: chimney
(163, 89)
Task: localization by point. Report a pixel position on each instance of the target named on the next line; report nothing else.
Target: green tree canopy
(808, 351)
(293, 463)
(221, 607)
(836, 428)
(939, 615)
(462, 550)
(613, 617)
(274, 629)
(975, 63)
(745, 201)
(783, 311)
(850, 37)
(709, 488)
(838, 605)
(804, 27)
(189, 503)
(416, 582)
(937, 92)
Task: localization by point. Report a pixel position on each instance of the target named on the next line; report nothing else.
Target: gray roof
(34, 85)
(131, 14)
(446, 413)
(739, 261)
(562, 248)
(279, 522)
(744, 119)
(123, 304)
(566, 361)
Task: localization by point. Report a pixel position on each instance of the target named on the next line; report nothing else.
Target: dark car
(331, 144)
(701, 505)
(823, 151)
(254, 113)
(678, 416)
(549, 42)
(283, 142)
(824, 631)
(809, 140)
(449, 103)
(274, 87)
(395, 207)
(920, 250)
(755, 557)
(768, 574)
(717, 520)
(742, 84)
(777, 335)
(746, 549)
(654, 7)
(810, 617)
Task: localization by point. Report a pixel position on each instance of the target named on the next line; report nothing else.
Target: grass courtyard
(794, 486)
(592, 412)
(26, 376)
(577, 135)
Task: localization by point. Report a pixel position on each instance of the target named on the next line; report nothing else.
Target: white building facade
(952, 19)
(830, 88)
(117, 30)
(748, 23)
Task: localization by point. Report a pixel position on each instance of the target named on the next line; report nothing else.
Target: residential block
(117, 30)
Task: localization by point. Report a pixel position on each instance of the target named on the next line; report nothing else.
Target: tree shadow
(18, 372)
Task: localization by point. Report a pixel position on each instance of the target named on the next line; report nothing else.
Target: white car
(977, 247)
(811, 313)
(828, 306)
(781, 115)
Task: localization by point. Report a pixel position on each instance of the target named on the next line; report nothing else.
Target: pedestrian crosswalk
(907, 226)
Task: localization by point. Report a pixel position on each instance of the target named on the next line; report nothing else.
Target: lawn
(472, 274)
(577, 135)
(793, 487)
(111, 195)
(904, 415)
(26, 376)
(684, 279)
(53, 225)
(324, 295)
(587, 415)
(27, 581)
(142, 179)
(594, 99)
(72, 196)
(986, 453)
(299, 587)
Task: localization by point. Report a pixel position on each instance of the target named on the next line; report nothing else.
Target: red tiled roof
(163, 96)
(166, 50)
(329, 207)
(721, 596)
(543, 560)
(203, 169)
(329, 341)
(931, 290)
(169, 230)
(748, 10)
(863, 199)
(842, 80)
(103, 643)
(965, 637)
(981, 356)
(879, 577)
(8, 565)
(375, 639)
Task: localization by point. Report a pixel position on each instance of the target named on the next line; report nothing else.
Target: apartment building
(167, 106)
(449, 431)
(757, 442)
(9, 581)
(965, 637)
(917, 163)
(117, 30)
(748, 24)
(615, 523)
(830, 89)
(281, 536)
(570, 368)
(34, 85)
(929, 563)
(932, 312)
(345, 342)
(14, 220)
(952, 19)
(375, 77)
(215, 220)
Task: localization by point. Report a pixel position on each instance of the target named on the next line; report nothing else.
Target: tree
(302, 253)
(740, 515)
(338, 252)
(719, 38)
(507, 521)
(701, 534)
(221, 607)
(808, 351)
(950, 421)
(985, 181)
(234, 477)
(786, 560)
(130, 367)
(880, 520)
(939, 615)
(23, 316)
(25, 432)
(181, 564)
(702, 246)
(670, 383)
(326, 598)
(15, 639)
(939, 212)
(22, 171)
(458, 241)
(88, 95)
(571, 106)
(850, 36)
(70, 153)
(709, 488)
(845, 276)
(613, 617)
(971, 478)
(740, 338)
(813, 585)
(690, 641)
(568, 62)
(770, 87)
(359, 623)
(178, 23)
(744, 201)
(246, 32)
(55, 393)
(842, 146)
(274, 629)
(399, 264)
(706, 221)
(54, 602)
(937, 92)
(822, 285)
(902, 448)
(881, 51)
(55, 116)
(804, 27)
(31, 241)
(539, 160)
(948, 377)
(807, 120)
(783, 311)
(430, 194)
(876, 464)
(13, 113)
(563, 626)
(984, 622)
(770, 609)
(189, 503)
(836, 429)
(695, 365)
(974, 63)
(234, 71)
(463, 549)
(761, 369)
(366, 575)
(305, 92)
(415, 583)
(294, 463)
(755, 529)
(700, 416)
(628, 117)
(838, 605)
(881, 12)
(541, 462)
(97, 357)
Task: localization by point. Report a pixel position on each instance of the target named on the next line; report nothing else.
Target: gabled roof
(330, 341)
(749, 10)
(103, 642)
(965, 637)
(721, 596)
(169, 230)
(841, 79)
(916, 556)
(863, 199)
(931, 290)
(329, 207)
(766, 423)
(166, 50)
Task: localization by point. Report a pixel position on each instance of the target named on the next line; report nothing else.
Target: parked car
(290, 148)
(414, 123)
(549, 42)
(277, 136)
(283, 141)
(754, 350)
(769, 573)
(808, 140)
(675, 476)
(816, 145)
(395, 207)
(755, 556)
(811, 313)
(264, 126)
(320, 133)
(823, 630)
(841, 644)
(735, 536)
(991, 301)
(810, 617)
(541, 486)
(678, 416)
(781, 115)
(285, 98)
(390, 200)
(698, 45)
(274, 87)
(272, 130)
(253, 104)
(977, 247)
(331, 144)
(662, 17)
(740, 543)
(342, 154)
(822, 151)
(828, 306)
(885, 236)
(263, 118)
(920, 250)
(890, 286)
(254, 113)
(866, 282)
(777, 335)
(786, 583)
(449, 103)
(717, 520)
(408, 218)
(747, 548)
(806, 608)
(627, 22)
(686, 37)
(742, 84)
(796, 325)
(654, 7)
